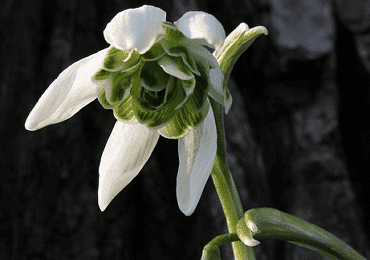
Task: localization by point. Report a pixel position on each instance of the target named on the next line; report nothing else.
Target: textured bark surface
(297, 134)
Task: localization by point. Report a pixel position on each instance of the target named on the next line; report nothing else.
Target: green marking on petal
(175, 67)
(172, 33)
(102, 75)
(188, 86)
(114, 59)
(132, 62)
(120, 60)
(179, 48)
(156, 119)
(201, 55)
(161, 115)
(121, 82)
(198, 99)
(154, 53)
(125, 110)
(184, 120)
(154, 78)
(181, 51)
(103, 101)
(120, 85)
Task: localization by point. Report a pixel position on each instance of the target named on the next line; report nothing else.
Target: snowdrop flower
(157, 78)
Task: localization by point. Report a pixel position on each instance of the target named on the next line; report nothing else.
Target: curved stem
(225, 187)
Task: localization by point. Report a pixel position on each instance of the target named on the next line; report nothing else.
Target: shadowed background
(297, 134)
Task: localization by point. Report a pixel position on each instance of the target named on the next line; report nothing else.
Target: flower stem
(226, 189)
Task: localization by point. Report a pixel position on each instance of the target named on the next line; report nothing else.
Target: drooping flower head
(157, 78)
(156, 75)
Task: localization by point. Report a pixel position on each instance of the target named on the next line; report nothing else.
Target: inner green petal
(158, 118)
(120, 60)
(132, 62)
(154, 53)
(125, 110)
(172, 33)
(121, 83)
(102, 75)
(153, 77)
(184, 120)
(114, 58)
(155, 119)
(103, 100)
(181, 51)
(198, 98)
(175, 67)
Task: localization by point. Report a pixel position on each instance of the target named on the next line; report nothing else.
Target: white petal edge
(128, 149)
(202, 26)
(137, 28)
(251, 225)
(169, 65)
(66, 95)
(197, 153)
(248, 239)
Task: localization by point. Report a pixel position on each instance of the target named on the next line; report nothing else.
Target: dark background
(298, 134)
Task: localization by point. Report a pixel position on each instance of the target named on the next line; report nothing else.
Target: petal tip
(251, 242)
(262, 29)
(252, 226)
(102, 204)
(187, 210)
(30, 126)
(259, 30)
(197, 152)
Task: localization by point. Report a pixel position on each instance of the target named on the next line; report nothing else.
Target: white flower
(140, 40)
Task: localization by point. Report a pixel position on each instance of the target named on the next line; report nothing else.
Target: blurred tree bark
(297, 135)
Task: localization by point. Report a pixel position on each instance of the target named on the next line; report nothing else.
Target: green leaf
(211, 250)
(211, 253)
(274, 224)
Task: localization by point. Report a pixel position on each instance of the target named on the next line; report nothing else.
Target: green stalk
(226, 188)
(235, 44)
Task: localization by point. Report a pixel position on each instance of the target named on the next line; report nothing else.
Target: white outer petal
(66, 95)
(204, 26)
(136, 28)
(128, 148)
(197, 152)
